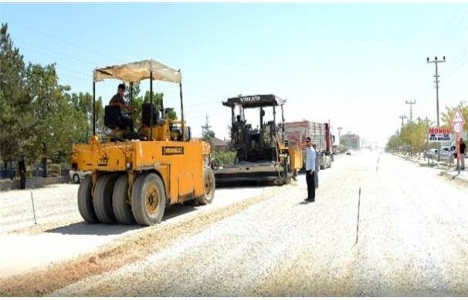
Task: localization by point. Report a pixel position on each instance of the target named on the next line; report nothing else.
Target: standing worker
(310, 170)
(317, 165)
(22, 171)
(462, 153)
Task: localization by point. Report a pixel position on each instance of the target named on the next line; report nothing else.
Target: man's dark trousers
(310, 185)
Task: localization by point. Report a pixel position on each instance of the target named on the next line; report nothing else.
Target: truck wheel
(85, 201)
(103, 198)
(148, 199)
(209, 190)
(122, 210)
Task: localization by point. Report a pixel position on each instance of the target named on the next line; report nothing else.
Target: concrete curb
(454, 178)
(444, 171)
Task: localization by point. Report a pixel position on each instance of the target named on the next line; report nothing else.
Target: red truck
(297, 132)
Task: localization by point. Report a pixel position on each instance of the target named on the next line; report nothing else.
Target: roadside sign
(438, 134)
(457, 121)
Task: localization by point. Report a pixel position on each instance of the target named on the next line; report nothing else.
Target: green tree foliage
(82, 104)
(14, 101)
(394, 141)
(100, 127)
(38, 118)
(224, 157)
(157, 100)
(450, 111)
(54, 117)
(413, 137)
(207, 132)
(218, 157)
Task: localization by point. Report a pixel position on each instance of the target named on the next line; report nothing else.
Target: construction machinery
(135, 175)
(319, 133)
(261, 154)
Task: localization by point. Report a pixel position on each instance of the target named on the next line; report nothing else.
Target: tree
(136, 102)
(207, 133)
(412, 136)
(394, 141)
(53, 115)
(157, 100)
(14, 101)
(450, 111)
(83, 107)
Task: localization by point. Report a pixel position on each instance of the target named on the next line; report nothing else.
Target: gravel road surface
(269, 242)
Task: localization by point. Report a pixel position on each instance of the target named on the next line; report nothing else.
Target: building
(219, 144)
(350, 141)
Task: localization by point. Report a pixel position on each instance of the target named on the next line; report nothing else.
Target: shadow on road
(85, 228)
(246, 184)
(180, 209)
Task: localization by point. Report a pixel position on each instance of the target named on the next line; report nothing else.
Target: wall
(31, 183)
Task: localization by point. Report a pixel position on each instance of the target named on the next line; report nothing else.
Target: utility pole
(427, 141)
(411, 109)
(402, 117)
(437, 95)
(339, 135)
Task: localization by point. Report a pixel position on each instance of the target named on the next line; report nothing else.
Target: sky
(354, 65)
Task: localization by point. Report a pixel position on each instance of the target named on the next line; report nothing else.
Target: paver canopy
(137, 71)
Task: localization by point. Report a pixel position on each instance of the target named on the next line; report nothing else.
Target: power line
(65, 41)
(53, 53)
(448, 26)
(456, 30)
(460, 65)
(459, 55)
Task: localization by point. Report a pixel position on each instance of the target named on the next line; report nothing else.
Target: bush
(224, 157)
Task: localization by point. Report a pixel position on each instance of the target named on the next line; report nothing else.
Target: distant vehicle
(348, 152)
(445, 153)
(78, 176)
(297, 132)
(432, 153)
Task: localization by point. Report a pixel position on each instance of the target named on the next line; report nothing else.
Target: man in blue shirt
(310, 170)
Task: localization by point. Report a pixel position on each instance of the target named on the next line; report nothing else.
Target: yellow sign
(172, 150)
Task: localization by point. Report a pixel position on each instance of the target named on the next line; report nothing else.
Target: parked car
(77, 176)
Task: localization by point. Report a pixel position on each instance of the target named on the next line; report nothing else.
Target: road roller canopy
(137, 71)
(255, 101)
